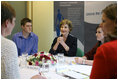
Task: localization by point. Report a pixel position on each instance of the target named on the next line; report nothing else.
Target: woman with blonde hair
(65, 43)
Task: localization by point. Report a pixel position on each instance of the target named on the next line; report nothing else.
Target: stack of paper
(84, 69)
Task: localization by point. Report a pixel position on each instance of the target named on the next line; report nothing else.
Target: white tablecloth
(26, 73)
(59, 71)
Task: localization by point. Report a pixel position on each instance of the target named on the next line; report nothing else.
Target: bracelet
(83, 62)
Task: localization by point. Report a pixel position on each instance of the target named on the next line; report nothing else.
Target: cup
(23, 62)
(25, 54)
(45, 67)
(60, 58)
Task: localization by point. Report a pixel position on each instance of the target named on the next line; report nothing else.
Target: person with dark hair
(105, 59)
(65, 43)
(89, 56)
(26, 41)
(9, 56)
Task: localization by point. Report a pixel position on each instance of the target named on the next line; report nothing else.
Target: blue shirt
(28, 45)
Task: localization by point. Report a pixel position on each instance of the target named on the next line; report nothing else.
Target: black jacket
(71, 41)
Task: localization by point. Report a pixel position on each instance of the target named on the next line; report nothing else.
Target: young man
(26, 41)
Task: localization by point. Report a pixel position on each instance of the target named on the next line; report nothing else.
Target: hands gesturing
(60, 40)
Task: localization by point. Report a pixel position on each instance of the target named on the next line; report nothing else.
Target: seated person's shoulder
(109, 45)
(34, 35)
(72, 37)
(8, 43)
(17, 34)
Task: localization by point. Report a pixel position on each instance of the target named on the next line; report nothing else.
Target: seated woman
(105, 59)
(65, 43)
(89, 56)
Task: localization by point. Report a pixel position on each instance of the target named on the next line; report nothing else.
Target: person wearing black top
(65, 43)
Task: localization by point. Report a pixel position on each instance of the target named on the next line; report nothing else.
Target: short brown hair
(68, 22)
(7, 12)
(25, 20)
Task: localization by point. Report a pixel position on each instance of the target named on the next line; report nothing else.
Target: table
(68, 70)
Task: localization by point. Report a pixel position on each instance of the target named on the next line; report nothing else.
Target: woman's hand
(79, 60)
(84, 57)
(82, 60)
(60, 40)
(38, 77)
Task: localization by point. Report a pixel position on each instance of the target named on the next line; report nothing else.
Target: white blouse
(9, 59)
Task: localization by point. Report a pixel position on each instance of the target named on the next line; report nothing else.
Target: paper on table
(85, 69)
(75, 75)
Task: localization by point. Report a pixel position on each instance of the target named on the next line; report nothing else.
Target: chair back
(79, 53)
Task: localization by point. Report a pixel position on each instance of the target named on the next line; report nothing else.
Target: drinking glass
(60, 58)
(23, 61)
(45, 67)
